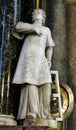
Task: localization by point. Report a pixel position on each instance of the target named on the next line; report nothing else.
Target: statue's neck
(38, 23)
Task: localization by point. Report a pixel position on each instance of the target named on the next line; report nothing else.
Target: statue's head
(39, 14)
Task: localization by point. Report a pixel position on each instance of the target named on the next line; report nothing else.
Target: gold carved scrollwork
(72, 61)
(67, 99)
(70, 1)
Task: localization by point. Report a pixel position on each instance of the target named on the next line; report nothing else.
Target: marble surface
(7, 120)
(24, 128)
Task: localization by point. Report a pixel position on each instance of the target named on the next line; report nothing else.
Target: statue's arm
(49, 52)
(49, 48)
(22, 27)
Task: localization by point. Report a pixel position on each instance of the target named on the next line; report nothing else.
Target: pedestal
(38, 128)
(24, 128)
(42, 123)
(7, 120)
(47, 123)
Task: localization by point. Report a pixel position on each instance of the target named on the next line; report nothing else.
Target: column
(55, 11)
(71, 55)
(9, 17)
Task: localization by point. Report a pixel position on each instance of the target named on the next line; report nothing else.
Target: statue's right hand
(37, 30)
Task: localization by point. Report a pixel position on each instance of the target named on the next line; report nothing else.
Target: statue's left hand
(49, 63)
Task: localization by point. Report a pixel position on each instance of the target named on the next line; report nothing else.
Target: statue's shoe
(50, 117)
(28, 122)
(31, 115)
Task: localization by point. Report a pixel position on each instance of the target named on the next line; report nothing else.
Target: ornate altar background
(61, 19)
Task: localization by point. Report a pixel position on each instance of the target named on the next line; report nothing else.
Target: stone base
(25, 128)
(11, 128)
(38, 128)
(42, 123)
(50, 123)
(7, 120)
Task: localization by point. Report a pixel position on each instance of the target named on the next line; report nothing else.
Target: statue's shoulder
(46, 28)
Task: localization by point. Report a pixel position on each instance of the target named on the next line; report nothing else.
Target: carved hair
(43, 14)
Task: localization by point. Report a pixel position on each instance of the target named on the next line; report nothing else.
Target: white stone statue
(33, 69)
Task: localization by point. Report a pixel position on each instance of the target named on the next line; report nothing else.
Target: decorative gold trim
(70, 99)
(70, 1)
(37, 4)
(67, 100)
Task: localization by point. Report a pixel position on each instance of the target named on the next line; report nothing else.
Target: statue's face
(38, 15)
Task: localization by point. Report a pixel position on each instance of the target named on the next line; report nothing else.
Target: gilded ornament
(67, 100)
